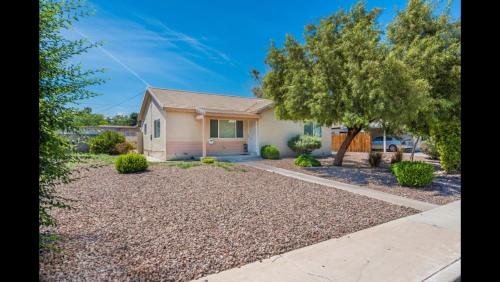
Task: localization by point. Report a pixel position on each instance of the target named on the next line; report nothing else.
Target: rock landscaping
(176, 224)
(445, 188)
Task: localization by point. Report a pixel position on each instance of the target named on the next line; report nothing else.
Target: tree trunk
(414, 147)
(339, 157)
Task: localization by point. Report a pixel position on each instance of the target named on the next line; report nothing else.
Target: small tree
(343, 73)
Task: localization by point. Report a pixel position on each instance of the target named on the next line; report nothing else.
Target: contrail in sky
(115, 59)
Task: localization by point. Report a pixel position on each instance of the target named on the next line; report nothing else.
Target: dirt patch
(175, 224)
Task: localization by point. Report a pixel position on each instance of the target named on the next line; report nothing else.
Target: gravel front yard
(174, 224)
(356, 170)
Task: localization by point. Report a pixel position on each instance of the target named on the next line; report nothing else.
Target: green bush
(428, 147)
(413, 174)
(208, 160)
(304, 144)
(397, 156)
(270, 152)
(105, 142)
(374, 158)
(306, 160)
(448, 145)
(123, 148)
(131, 163)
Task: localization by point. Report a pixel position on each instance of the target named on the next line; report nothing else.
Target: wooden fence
(361, 143)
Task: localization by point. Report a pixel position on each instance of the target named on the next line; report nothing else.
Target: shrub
(304, 144)
(270, 152)
(397, 156)
(428, 147)
(448, 145)
(131, 163)
(413, 174)
(306, 160)
(105, 142)
(208, 160)
(374, 159)
(123, 148)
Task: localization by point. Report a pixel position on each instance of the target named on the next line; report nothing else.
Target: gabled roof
(188, 100)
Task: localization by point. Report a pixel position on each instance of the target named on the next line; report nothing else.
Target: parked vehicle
(392, 143)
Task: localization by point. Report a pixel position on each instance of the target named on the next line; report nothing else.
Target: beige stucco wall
(154, 147)
(277, 132)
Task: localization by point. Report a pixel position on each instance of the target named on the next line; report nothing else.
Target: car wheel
(393, 148)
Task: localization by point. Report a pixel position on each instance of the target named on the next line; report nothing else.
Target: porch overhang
(219, 113)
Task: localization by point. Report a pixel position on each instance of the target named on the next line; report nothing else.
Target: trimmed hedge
(131, 163)
(413, 174)
(208, 160)
(304, 144)
(306, 160)
(105, 143)
(270, 152)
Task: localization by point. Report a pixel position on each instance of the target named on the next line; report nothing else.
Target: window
(239, 129)
(214, 128)
(226, 128)
(377, 139)
(312, 128)
(388, 139)
(145, 129)
(157, 128)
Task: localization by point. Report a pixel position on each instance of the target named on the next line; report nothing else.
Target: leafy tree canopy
(343, 73)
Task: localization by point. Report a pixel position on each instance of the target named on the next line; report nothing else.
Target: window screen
(157, 128)
(239, 129)
(214, 128)
(145, 128)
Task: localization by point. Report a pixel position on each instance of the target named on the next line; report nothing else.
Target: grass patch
(92, 160)
(228, 166)
(189, 164)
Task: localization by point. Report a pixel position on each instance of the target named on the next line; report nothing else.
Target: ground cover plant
(306, 160)
(413, 174)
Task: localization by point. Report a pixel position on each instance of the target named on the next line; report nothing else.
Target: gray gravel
(175, 224)
(355, 170)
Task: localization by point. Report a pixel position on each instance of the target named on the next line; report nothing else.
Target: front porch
(228, 133)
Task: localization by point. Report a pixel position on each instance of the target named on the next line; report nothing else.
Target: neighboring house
(181, 124)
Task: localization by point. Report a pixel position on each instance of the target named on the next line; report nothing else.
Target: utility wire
(120, 103)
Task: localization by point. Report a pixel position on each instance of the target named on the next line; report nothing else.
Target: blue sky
(207, 46)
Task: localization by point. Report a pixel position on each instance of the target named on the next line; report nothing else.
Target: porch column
(385, 144)
(203, 135)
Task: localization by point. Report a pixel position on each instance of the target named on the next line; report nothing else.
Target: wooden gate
(361, 143)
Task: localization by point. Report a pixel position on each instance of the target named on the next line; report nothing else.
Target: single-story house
(178, 124)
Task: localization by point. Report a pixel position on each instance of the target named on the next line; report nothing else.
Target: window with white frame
(156, 128)
(226, 128)
(312, 128)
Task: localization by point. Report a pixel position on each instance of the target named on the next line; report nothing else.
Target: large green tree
(428, 42)
(61, 83)
(343, 73)
(85, 117)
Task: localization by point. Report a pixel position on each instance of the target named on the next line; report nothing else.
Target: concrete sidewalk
(421, 247)
(390, 198)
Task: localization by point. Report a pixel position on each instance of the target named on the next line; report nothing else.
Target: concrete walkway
(421, 247)
(390, 198)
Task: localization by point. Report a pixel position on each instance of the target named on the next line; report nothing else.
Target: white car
(392, 143)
